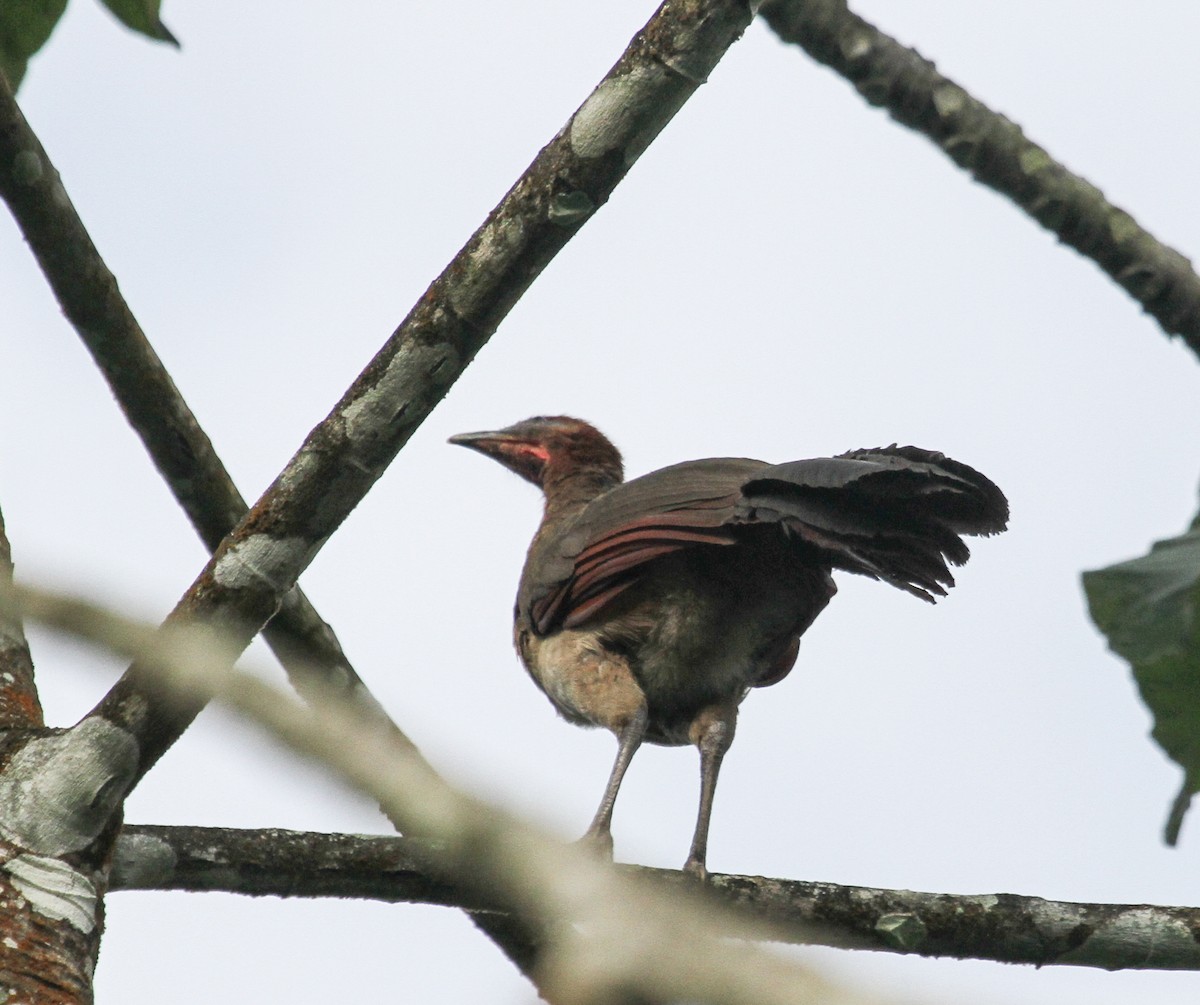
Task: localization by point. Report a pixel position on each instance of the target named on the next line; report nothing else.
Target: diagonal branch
(1005, 928)
(996, 152)
(575, 173)
(183, 454)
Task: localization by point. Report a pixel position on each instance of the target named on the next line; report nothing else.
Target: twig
(996, 152)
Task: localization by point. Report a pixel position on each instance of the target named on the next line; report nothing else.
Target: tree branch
(283, 863)
(1006, 928)
(183, 454)
(19, 704)
(996, 152)
(48, 926)
(280, 863)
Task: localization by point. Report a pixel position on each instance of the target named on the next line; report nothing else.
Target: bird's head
(546, 450)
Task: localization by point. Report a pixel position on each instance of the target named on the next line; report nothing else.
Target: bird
(652, 607)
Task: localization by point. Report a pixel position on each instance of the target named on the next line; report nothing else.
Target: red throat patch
(532, 451)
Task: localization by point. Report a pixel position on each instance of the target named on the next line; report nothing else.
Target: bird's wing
(892, 513)
(598, 555)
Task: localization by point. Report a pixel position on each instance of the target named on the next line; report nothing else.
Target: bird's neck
(570, 490)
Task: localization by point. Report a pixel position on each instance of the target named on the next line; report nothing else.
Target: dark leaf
(1148, 609)
(142, 16)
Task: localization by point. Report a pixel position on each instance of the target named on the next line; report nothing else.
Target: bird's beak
(517, 453)
(490, 443)
(500, 445)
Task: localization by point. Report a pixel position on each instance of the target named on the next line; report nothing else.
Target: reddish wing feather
(602, 553)
(593, 570)
(581, 612)
(604, 570)
(627, 542)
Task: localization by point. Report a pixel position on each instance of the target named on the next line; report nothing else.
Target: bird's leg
(712, 733)
(629, 738)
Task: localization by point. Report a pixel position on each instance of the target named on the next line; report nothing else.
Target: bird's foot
(696, 869)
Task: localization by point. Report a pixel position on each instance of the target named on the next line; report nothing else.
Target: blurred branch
(608, 936)
(19, 704)
(996, 152)
(1002, 927)
(90, 299)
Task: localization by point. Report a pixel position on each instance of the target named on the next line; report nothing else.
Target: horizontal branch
(1005, 928)
(279, 863)
(997, 153)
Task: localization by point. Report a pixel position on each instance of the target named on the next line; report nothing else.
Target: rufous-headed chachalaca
(651, 607)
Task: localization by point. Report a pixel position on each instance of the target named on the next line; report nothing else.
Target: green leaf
(1148, 609)
(24, 27)
(142, 15)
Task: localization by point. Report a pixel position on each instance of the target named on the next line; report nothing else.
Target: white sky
(784, 274)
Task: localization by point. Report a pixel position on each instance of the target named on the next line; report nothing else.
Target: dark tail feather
(968, 502)
(892, 513)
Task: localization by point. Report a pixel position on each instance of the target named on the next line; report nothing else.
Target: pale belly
(678, 641)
